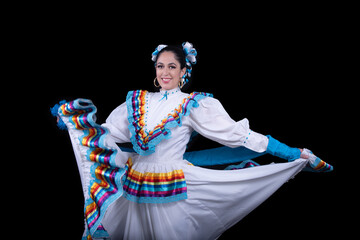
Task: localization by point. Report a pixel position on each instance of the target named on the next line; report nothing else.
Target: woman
(157, 191)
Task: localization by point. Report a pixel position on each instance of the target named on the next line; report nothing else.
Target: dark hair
(178, 52)
(179, 56)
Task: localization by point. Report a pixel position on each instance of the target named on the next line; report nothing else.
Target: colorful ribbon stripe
(154, 187)
(106, 186)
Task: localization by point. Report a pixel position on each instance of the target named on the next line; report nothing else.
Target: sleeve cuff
(281, 150)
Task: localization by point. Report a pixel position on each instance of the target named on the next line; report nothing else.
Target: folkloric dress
(156, 190)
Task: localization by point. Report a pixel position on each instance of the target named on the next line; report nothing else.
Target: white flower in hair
(157, 50)
(190, 52)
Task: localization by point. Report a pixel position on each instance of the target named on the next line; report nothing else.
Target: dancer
(157, 190)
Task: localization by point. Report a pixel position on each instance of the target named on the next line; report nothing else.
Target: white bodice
(159, 125)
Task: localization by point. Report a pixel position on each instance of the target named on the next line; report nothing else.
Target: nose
(165, 71)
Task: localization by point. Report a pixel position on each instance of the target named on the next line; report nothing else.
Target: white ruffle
(216, 201)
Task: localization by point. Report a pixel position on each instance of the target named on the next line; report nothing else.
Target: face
(168, 70)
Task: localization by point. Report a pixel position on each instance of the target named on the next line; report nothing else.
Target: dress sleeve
(118, 124)
(212, 121)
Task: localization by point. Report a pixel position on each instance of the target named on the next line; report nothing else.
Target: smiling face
(168, 70)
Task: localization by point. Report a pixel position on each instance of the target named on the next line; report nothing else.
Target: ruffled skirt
(129, 198)
(217, 199)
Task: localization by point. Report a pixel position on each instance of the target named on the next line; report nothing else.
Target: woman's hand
(303, 155)
(315, 163)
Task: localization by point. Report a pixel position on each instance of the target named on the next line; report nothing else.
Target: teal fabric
(281, 150)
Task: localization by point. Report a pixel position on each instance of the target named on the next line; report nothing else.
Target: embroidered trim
(153, 187)
(144, 142)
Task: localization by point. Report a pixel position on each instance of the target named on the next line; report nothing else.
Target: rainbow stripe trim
(106, 186)
(154, 187)
(144, 142)
(319, 166)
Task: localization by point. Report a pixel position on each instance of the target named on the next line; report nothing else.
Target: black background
(286, 77)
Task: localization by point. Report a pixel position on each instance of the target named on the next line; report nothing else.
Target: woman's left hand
(305, 156)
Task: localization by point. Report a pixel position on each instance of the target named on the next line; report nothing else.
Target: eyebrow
(168, 64)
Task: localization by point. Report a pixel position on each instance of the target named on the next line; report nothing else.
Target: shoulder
(196, 100)
(203, 94)
(135, 94)
(193, 99)
(197, 96)
(135, 101)
(206, 104)
(205, 99)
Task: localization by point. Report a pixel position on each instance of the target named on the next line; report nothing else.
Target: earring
(155, 83)
(181, 82)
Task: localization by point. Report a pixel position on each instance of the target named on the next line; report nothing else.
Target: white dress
(154, 193)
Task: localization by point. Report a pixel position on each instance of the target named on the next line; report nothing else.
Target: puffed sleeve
(117, 123)
(212, 121)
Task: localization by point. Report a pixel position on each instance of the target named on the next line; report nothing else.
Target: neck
(176, 89)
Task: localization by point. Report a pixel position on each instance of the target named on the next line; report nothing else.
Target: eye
(159, 66)
(172, 67)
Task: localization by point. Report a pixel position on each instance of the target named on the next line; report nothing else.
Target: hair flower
(157, 50)
(190, 52)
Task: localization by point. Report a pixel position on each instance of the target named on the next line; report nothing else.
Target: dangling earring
(181, 82)
(155, 83)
